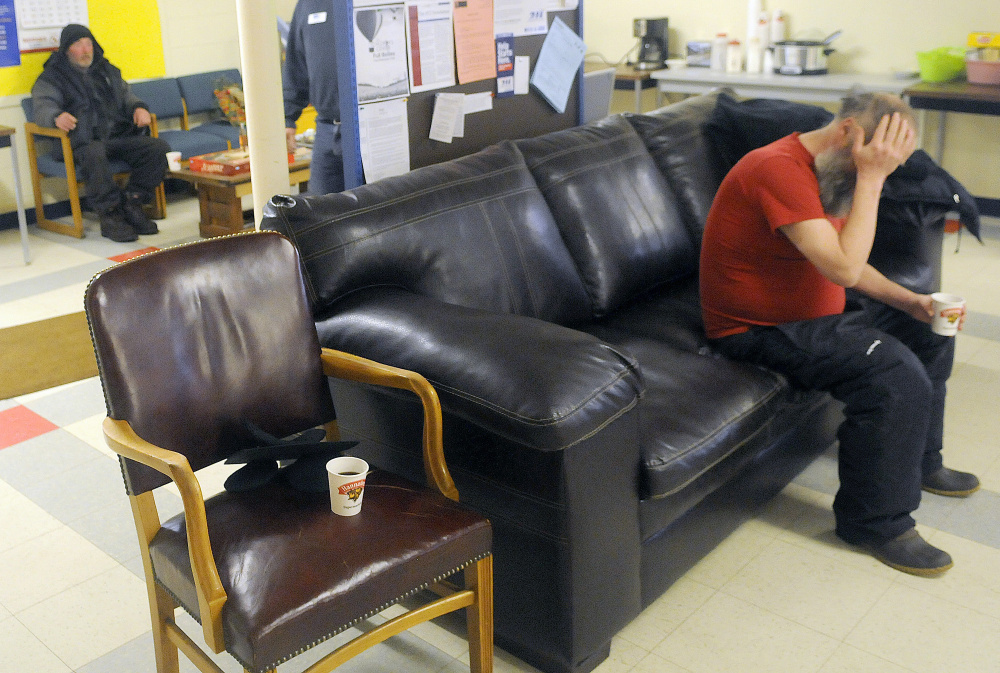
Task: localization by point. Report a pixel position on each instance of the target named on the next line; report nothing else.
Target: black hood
(73, 32)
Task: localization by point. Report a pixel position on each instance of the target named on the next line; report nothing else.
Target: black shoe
(114, 226)
(136, 217)
(911, 554)
(950, 482)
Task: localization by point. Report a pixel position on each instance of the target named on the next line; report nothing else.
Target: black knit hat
(71, 33)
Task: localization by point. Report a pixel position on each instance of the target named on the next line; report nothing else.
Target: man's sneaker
(114, 226)
(911, 554)
(136, 217)
(950, 482)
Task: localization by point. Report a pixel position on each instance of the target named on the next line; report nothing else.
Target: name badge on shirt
(316, 17)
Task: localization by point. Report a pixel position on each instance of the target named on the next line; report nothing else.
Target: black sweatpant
(890, 371)
(146, 156)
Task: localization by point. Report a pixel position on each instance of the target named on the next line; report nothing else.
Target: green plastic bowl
(941, 64)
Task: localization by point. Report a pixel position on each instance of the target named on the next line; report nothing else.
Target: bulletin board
(518, 116)
(523, 116)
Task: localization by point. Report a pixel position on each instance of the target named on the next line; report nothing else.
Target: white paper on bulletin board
(39, 22)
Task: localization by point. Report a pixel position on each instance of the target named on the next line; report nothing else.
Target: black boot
(134, 215)
(114, 226)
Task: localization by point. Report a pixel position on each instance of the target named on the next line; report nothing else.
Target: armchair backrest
(198, 90)
(163, 96)
(193, 341)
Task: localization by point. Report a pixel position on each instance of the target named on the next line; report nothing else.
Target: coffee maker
(652, 34)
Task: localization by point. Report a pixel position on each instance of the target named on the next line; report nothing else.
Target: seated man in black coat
(80, 92)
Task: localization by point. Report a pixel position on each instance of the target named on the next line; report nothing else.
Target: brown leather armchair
(192, 343)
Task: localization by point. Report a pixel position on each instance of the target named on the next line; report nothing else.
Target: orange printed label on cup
(951, 314)
(352, 490)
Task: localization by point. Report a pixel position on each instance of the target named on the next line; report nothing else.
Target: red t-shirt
(751, 274)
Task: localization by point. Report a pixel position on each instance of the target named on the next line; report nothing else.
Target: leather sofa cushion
(689, 162)
(698, 409)
(618, 215)
(473, 231)
(529, 381)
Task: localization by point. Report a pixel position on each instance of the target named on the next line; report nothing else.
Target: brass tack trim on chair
(359, 619)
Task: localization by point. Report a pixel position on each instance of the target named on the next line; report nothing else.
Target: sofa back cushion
(690, 163)
(617, 214)
(473, 231)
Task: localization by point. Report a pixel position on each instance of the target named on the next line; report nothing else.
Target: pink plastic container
(982, 72)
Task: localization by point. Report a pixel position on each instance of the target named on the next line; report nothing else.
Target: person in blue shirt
(310, 76)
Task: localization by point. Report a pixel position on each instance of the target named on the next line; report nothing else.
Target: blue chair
(163, 96)
(198, 92)
(50, 156)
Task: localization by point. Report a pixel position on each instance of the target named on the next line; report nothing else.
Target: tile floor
(780, 594)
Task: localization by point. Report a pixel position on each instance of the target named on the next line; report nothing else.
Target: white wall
(201, 35)
(880, 36)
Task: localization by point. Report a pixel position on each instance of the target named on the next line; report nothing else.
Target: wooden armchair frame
(476, 597)
(159, 205)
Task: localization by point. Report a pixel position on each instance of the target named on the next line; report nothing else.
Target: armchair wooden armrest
(123, 440)
(353, 368)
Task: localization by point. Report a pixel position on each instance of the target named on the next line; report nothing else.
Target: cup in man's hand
(948, 309)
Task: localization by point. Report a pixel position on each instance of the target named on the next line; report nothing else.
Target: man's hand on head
(891, 145)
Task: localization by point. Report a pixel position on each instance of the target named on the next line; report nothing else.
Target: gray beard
(837, 178)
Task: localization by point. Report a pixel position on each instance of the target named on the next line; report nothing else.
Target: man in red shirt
(790, 229)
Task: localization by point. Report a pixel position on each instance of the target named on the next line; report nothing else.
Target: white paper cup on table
(947, 313)
(174, 160)
(347, 484)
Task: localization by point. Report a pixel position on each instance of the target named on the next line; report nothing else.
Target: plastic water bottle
(719, 46)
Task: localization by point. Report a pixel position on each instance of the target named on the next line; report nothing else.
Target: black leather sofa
(548, 289)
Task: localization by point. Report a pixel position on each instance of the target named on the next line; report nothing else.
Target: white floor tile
(849, 659)
(46, 566)
(926, 634)
(660, 619)
(23, 652)
(23, 520)
(808, 588)
(729, 634)
(92, 618)
(974, 582)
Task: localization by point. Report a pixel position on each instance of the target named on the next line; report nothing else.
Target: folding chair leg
(479, 616)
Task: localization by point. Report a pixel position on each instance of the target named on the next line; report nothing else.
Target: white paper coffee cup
(947, 313)
(174, 160)
(347, 484)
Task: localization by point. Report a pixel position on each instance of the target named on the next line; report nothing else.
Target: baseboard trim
(52, 210)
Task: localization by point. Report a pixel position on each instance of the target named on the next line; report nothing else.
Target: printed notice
(383, 129)
(380, 52)
(557, 65)
(515, 18)
(475, 48)
(505, 66)
(9, 52)
(431, 44)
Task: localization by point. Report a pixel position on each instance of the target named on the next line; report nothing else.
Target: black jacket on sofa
(548, 290)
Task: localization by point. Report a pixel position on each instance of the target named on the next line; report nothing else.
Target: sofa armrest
(533, 382)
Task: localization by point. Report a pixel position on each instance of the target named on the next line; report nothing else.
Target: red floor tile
(19, 424)
(129, 255)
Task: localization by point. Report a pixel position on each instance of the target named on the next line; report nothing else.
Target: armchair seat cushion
(52, 167)
(425, 535)
(192, 143)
